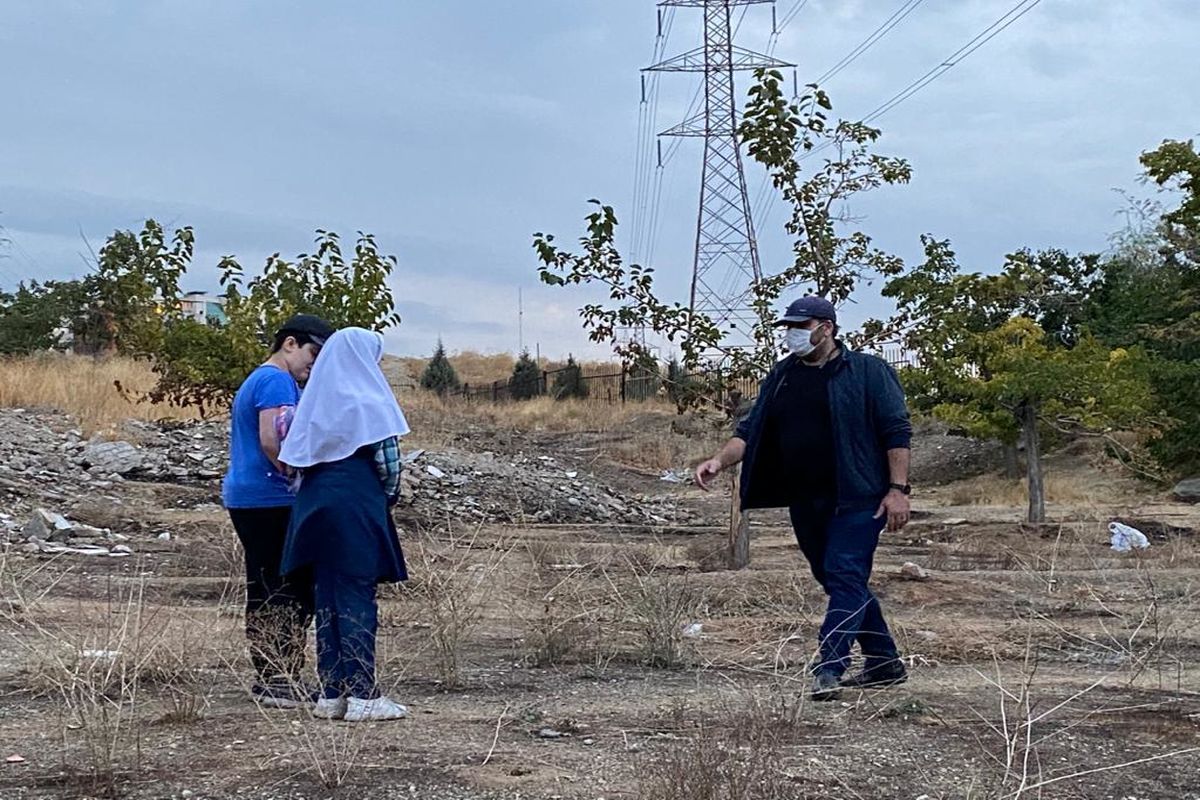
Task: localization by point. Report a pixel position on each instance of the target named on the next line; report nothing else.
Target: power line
(791, 15)
(895, 19)
(993, 30)
(764, 199)
(990, 32)
(647, 116)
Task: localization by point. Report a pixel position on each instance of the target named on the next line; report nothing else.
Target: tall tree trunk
(739, 527)
(1012, 465)
(1033, 463)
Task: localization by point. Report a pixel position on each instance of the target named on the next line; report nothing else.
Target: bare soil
(620, 661)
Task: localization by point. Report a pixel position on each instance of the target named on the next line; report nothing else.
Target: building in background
(204, 307)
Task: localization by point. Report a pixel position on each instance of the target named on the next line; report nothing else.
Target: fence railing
(608, 387)
(629, 384)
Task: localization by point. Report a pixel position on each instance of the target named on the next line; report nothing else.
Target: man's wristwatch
(902, 488)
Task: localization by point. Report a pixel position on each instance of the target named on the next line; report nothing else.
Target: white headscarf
(347, 403)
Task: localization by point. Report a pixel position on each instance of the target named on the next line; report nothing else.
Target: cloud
(455, 136)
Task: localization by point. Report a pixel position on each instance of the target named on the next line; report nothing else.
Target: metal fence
(606, 387)
(633, 385)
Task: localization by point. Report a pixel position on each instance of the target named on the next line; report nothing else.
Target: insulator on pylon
(660, 153)
(643, 87)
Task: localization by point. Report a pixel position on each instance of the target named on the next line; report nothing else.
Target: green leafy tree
(829, 256)
(1149, 295)
(526, 380)
(345, 293)
(134, 293)
(33, 317)
(986, 364)
(569, 382)
(439, 375)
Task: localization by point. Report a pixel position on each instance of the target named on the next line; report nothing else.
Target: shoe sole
(349, 718)
(318, 714)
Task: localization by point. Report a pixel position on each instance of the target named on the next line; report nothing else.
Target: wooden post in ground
(739, 526)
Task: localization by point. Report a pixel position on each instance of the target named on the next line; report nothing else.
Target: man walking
(829, 437)
(255, 491)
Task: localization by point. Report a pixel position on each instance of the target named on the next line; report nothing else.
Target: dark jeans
(278, 608)
(840, 549)
(347, 620)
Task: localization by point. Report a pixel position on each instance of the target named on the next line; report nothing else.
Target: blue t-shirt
(252, 480)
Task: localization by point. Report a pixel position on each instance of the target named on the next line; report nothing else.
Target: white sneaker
(381, 708)
(330, 708)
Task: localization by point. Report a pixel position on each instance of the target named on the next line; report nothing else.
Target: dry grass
(86, 389)
(1074, 488)
(541, 413)
(83, 387)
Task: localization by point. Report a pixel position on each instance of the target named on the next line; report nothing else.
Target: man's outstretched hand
(707, 471)
(895, 506)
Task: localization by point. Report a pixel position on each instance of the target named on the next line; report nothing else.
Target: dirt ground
(620, 661)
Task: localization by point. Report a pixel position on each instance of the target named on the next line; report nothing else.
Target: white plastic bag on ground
(1125, 538)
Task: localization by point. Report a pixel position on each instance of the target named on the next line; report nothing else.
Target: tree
(1149, 294)
(439, 375)
(133, 296)
(32, 318)
(344, 293)
(681, 385)
(569, 382)
(526, 380)
(986, 364)
(829, 257)
(644, 377)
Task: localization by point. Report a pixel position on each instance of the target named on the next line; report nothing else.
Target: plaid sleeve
(389, 466)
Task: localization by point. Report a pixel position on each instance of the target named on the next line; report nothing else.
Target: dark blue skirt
(341, 521)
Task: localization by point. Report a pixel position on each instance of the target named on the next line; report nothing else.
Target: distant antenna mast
(520, 322)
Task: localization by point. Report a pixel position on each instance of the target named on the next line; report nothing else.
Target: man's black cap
(806, 308)
(308, 327)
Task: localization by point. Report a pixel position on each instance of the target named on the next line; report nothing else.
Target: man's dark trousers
(279, 607)
(840, 548)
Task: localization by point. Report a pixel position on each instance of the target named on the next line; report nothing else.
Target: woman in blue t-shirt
(255, 491)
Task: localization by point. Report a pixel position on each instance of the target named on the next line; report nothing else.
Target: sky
(455, 131)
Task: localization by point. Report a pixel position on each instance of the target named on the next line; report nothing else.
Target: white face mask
(799, 341)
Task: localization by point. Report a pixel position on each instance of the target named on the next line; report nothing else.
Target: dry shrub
(83, 387)
(660, 607)
(734, 757)
(115, 668)
(568, 626)
(545, 413)
(452, 588)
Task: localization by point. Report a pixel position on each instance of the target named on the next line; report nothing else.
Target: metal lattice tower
(726, 262)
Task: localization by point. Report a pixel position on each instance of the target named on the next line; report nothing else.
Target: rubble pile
(521, 489)
(47, 466)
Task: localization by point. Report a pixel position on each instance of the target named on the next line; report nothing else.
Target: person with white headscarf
(344, 442)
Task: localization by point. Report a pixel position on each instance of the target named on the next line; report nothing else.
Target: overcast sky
(455, 130)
